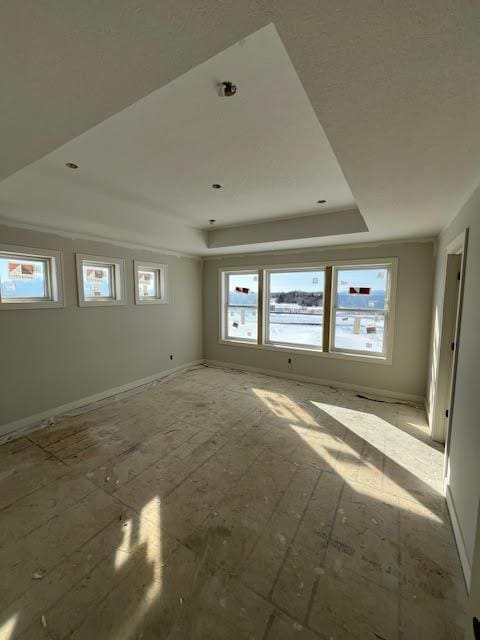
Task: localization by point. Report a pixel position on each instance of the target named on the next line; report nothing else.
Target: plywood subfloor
(224, 505)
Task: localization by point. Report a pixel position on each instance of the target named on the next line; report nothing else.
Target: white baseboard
(462, 551)
(23, 426)
(371, 391)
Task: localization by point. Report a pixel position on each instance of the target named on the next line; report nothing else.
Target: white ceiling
(158, 158)
(394, 85)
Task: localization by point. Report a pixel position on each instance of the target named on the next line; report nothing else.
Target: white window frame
(161, 271)
(53, 273)
(266, 307)
(261, 343)
(118, 283)
(224, 274)
(386, 354)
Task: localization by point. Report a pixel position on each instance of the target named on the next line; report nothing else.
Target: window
(295, 307)
(30, 278)
(100, 281)
(240, 309)
(150, 283)
(360, 309)
(334, 309)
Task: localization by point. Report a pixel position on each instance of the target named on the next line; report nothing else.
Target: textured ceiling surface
(395, 86)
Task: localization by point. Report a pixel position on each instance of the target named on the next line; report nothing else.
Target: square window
(100, 281)
(150, 283)
(30, 278)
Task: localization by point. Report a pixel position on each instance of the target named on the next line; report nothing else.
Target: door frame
(457, 246)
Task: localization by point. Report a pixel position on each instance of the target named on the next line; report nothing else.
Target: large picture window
(340, 310)
(30, 278)
(241, 306)
(295, 307)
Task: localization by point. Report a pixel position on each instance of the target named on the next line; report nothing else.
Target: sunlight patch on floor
(413, 455)
(283, 407)
(327, 451)
(411, 465)
(148, 541)
(410, 506)
(324, 447)
(8, 627)
(125, 547)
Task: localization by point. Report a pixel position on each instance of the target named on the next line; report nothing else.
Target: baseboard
(462, 551)
(371, 391)
(23, 426)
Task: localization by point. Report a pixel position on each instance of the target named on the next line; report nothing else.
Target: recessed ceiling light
(71, 165)
(321, 201)
(216, 186)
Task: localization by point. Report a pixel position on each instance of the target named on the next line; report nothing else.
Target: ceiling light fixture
(216, 186)
(227, 89)
(71, 165)
(321, 201)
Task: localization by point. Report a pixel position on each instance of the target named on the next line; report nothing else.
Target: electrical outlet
(171, 357)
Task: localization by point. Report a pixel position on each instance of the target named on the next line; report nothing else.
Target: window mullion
(260, 307)
(327, 304)
(225, 304)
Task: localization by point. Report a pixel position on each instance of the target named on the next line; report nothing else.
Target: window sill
(152, 301)
(338, 355)
(101, 303)
(15, 306)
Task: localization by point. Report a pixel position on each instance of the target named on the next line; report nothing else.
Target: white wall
(473, 607)
(53, 357)
(464, 480)
(408, 372)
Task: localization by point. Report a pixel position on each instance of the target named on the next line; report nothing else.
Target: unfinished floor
(222, 505)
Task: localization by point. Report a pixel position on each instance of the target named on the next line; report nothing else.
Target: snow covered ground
(242, 323)
(345, 338)
(307, 329)
(298, 328)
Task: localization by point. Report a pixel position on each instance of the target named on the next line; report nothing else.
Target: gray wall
(408, 372)
(51, 357)
(464, 482)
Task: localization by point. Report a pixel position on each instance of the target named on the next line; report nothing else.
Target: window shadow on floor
(229, 505)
